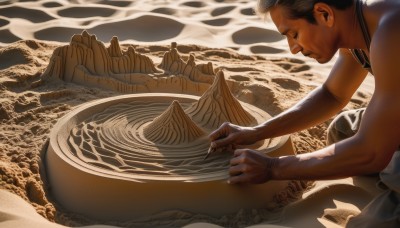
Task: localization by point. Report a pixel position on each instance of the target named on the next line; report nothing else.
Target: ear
(324, 14)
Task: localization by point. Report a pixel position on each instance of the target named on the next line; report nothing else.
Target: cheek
(307, 40)
(328, 46)
(313, 41)
(318, 43)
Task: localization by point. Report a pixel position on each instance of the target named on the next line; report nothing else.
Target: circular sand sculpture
(130, 156)
(135, 155)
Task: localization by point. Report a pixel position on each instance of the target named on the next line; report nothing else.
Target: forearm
(346, 158)
(317, 107)
(368, 151)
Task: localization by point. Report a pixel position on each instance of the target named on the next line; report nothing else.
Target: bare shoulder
(391, 17)
(385, 49)
(387, 17)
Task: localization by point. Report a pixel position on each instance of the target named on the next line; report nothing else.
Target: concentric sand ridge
(116, 140)
(161, 139)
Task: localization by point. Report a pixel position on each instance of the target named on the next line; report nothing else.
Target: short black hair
(301, 8)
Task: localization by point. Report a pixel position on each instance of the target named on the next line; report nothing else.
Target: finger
(222, 142)
(216, 134)
(239, 152)
(235, 170)
(236, 161)
(238, 179)
(218, 150)
(230, 148)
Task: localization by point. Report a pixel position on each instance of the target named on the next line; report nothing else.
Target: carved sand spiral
(115, 139)
(161, 139)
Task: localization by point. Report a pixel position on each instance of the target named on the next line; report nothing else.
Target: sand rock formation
(87, 56)
(173, 64)
(88, 62)
(218, 105)
(129, 62)
(172, 127)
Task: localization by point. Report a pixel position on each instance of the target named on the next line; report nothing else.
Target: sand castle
(87, 61)
(135, 155)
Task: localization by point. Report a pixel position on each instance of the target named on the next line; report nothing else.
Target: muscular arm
(322, 103)
(372, 147)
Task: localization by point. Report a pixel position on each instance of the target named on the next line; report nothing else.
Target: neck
(350, 33)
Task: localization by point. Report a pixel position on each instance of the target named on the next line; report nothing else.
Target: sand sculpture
(135, 155)
(173, 126)
(88, 62)
(174, 65)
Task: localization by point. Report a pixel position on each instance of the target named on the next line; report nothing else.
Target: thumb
(222, 142)
(217, 134)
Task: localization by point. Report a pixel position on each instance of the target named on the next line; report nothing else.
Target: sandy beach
(206, 37)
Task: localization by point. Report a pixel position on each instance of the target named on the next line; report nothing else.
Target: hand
(250, 166)
(229, 135)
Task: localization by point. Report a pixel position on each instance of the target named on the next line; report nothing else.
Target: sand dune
(210, 23)
(210, 35)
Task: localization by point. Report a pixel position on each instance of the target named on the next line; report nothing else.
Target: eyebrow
(285, 32)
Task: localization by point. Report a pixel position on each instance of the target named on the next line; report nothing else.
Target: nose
(294, 46)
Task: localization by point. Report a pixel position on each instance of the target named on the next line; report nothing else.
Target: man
(363, 32)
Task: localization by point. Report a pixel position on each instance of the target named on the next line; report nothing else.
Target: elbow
(340, 101)
(372, 154)
(383, 162)
(377, 160)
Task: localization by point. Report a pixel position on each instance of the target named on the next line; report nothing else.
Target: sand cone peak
(85, 33)
(114, 49)
(218, 105)
(174, 45)
(173, 126)
(219, 83)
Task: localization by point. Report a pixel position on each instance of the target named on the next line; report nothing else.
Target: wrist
(254, 134)
(263, 131)
(273, 171)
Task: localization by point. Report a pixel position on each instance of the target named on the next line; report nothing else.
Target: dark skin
(371, 149)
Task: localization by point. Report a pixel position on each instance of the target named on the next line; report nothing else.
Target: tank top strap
(359, 54)
(363, 25)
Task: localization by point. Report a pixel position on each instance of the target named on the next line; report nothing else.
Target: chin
(323, 56)
(323, 60)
